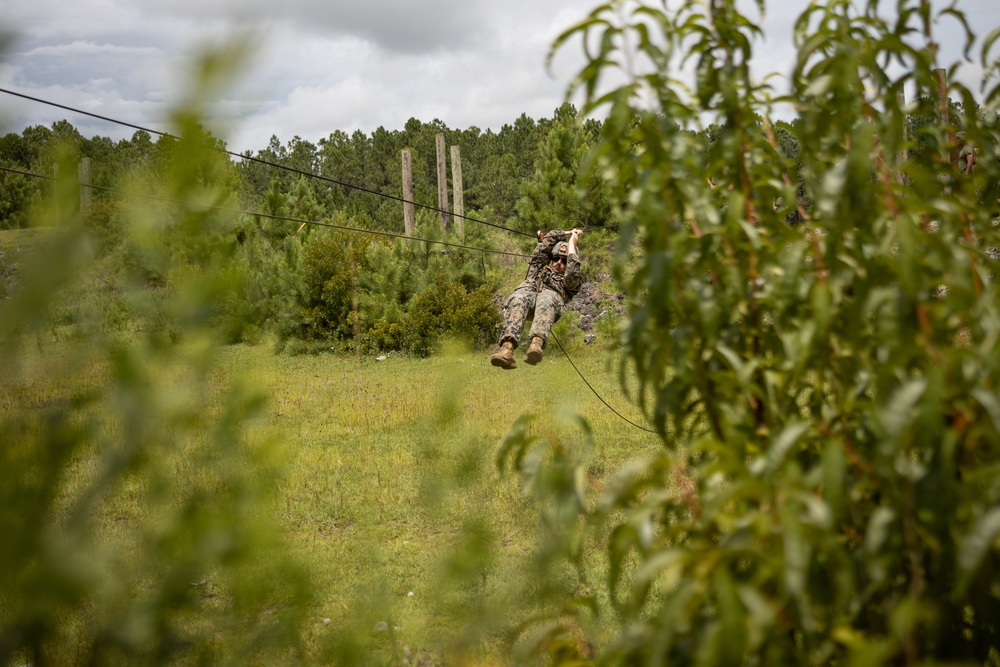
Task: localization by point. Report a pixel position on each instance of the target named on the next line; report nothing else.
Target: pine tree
(562, 193)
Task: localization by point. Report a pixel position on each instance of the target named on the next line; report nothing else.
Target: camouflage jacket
(540, 273)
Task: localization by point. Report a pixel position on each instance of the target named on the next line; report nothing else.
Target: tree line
(312, 287)
(526, 176)
(531, 174)
(496, 164)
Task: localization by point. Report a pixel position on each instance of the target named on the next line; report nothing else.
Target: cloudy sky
(323, 65)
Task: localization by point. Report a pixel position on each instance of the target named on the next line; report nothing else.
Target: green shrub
(104, 220)
(825, 393)
(22, 195)
(272, 285)
(446, 309)
(608, 326)
(356, 290)
(385, 287)
(331, 263)
(479, 320)
(134, 484)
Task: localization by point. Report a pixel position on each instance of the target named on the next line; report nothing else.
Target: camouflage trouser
(544, 307)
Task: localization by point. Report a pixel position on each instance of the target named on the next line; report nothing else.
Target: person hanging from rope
(553, 279)
(966, 155)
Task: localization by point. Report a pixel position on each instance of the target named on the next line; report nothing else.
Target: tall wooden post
(943, 114)
(443, 184)
(86, 194)
(942, 94)
(457, 193)
(409, 216)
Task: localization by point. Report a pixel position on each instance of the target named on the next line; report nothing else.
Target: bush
(385, 336)
(134, 481)
(272, 287)
(331, 264)
(827, 492)
(445, 308)
(103, 221)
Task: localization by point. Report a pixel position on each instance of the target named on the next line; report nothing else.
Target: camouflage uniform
(966, 156)
(542, 293)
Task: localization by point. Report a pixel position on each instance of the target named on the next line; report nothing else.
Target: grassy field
(15, 243)
(19, 239)
(417, 547)
(391, 472)
(389, 491)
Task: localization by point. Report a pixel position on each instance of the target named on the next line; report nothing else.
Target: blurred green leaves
(825, 391)
(137, 521)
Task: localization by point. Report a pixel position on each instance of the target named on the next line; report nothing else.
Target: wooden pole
(86, 193)
(409, 215)
(942, 94)
(457, 193)
(442, 167)
(943, 114)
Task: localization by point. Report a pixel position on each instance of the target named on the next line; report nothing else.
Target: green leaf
(834, 479)
(744, 370)
(779, 448)
(900, 412)
(878, 531)
(515, 443)
(973, 547)
(668, 566)
(819, 86)
(990, 403)
(732, 621)
(623, 539)
(796, 561)
(628, 482)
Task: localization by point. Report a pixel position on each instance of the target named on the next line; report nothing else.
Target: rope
(270, 216)
(260, 161)
(570, 360)
(46, 177)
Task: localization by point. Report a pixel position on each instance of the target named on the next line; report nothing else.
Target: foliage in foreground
(137, 525)
(828, 394)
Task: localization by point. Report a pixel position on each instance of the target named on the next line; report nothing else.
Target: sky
(318, 66)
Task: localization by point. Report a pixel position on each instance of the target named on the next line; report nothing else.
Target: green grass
(391, 468)
(14, 245)
(388, 483)
(20, 239)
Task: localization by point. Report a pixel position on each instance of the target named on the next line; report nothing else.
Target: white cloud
(88, 48)
(326, 65)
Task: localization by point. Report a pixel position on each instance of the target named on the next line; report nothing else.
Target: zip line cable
(270, 216)
(570, 360)
(344, 228)
(262, 161)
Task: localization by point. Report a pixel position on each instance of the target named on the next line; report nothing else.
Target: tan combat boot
(504, 357)
(534, 352)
